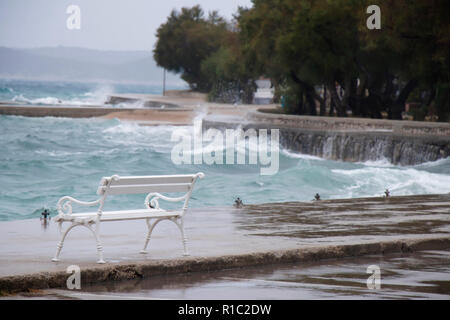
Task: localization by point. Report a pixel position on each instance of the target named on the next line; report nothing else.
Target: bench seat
(121, 215)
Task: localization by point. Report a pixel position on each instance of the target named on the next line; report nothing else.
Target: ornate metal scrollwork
(152, 199)
(64, 205)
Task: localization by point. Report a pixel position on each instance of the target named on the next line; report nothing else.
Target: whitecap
(296, 155)
(400, 181)
(431, 164)
(383, 162)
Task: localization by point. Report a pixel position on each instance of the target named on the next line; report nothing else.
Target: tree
(305, 44)
(187, 39)
(302, 44)
(413, 51)
(227, 72)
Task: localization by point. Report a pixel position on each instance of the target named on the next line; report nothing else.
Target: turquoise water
(43, 159)
(70, 93)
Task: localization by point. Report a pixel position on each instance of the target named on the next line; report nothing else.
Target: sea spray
(68, 93)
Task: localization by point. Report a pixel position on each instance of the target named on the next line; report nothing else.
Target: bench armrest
(151, 201)
(64, 205)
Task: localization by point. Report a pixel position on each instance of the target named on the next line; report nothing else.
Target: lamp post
(164, 82)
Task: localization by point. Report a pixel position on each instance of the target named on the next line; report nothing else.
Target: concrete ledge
(353, 140)
(77, 112)
(400, 127)
(145, 103)
(58, 111)
(46, 280)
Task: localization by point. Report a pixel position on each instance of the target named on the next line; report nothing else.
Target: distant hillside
(64, 63)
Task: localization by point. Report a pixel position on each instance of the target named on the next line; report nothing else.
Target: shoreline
(182, 101)
(176, 108)
(190, 103)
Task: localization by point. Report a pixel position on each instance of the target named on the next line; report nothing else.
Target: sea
(43, 159)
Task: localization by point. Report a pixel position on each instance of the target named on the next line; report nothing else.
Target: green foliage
(228, 74)
(292, 101)
(443, 102)
(185, 40)
(302, 45)
(206, 51)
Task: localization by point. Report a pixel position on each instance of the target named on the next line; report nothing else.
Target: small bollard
(238, 203)
(45, 214)
(45, 218)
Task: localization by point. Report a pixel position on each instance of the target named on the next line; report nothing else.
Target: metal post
(164, 82)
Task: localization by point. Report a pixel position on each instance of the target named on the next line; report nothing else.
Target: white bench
(152, 213)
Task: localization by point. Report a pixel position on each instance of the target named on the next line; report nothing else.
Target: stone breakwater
(115, 100)
(353, 140)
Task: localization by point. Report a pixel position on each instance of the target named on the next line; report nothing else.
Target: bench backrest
(146, 184)
(153, 186)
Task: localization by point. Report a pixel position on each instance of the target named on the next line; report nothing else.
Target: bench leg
(150, 226)
(180, 225)
(179, 222)
(97, 239)
(61, 242)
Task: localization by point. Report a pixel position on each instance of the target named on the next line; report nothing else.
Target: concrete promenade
(223, 238)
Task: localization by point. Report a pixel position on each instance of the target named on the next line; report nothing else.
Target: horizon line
(74, 47)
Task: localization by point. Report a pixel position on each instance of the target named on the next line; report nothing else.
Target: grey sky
(105, 24)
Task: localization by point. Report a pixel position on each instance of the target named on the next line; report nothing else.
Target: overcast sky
(105, 24)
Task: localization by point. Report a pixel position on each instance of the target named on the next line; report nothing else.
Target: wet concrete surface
(348, 220)
(234, 237)
(419, 275)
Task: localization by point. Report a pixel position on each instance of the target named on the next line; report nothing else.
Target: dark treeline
(319, 54)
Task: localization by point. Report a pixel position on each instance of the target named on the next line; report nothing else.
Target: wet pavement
(27, 246)
(348, 220)
(419, 275)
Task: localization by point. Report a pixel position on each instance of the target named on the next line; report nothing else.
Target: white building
(264, 92)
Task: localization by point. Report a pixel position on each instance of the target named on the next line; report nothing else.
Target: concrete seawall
(401, 142)
(47, 280)
(143, 116)
(143, 102)
(399, 127)
(77, 112)
(57, 111)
